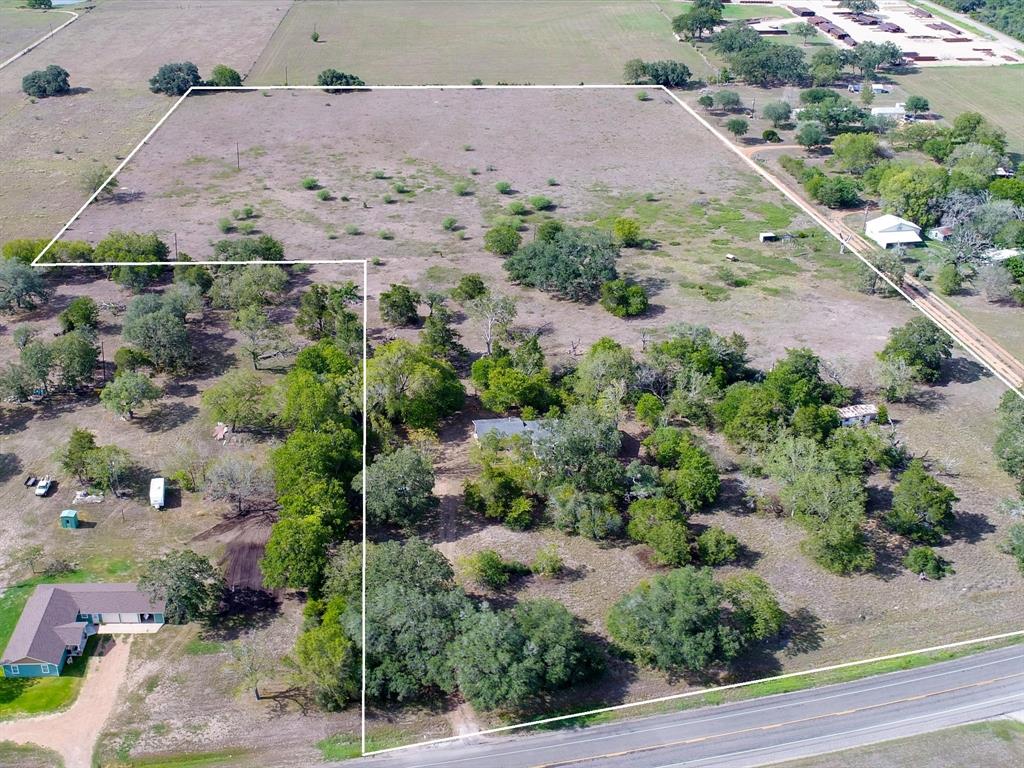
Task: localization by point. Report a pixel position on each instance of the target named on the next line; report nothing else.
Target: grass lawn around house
(37, 695)
(220, 759)
(345, 746)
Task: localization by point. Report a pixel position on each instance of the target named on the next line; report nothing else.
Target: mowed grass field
(996, 92)
(450, 42)
(19, 27)
(734, 11)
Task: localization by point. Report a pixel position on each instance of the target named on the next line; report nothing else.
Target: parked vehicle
(157, 489)
(43, 487)
(31, 480)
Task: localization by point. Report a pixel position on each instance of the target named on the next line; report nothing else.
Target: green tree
(239, 399)
(334, 77)
(915, 105)
(754, 606)
(489, 569)
(697, 21)
(128, 392)
(328, 659)
(74, 356)
(804, 31)
(716, 546)
(175, 79)
(727, 100)
(190, 585)
(580, 448)
(573, 265)
(21, 286)
(42, 83)
(914, 192)
(856, 152)
(650, 409)
(737, 126)
(811, 135)
(262, 338)
(399, 305)
(676, 622)
(924, 560)
(778, 112)
(399, 488)
(661, 524)
(404, 383)
(1009, 445)
(922, 507)
(624, 299)
(920, 344)
(296, 552)
(1014, 544)
(74, 457)
(81, 314)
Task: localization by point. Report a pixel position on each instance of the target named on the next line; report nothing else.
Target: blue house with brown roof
(58, 620)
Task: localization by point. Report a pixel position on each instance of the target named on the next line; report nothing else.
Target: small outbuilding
(767, 237)
(892, 230)
(859, 415)
(69, 518)
(940, 233)
(507, 428)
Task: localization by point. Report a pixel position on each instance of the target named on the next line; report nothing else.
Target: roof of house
(49, 621)
(856, 411)
(889, 223)
(507, 427)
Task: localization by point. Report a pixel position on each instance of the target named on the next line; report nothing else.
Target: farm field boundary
(805, 207)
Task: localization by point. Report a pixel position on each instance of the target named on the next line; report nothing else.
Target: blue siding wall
(32, 670)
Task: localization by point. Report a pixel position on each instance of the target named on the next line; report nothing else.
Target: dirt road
(73, 732)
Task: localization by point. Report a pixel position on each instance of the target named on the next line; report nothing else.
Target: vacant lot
(19, 27)
(110, 52)
(392, 164)
(534, 41)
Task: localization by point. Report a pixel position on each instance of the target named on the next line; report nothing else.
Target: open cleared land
(997, 743)
(20, 27)
(543, 42)
(181, 694)
(391, 162)
(110, 52)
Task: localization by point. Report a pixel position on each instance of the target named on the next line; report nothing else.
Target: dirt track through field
(73, 732)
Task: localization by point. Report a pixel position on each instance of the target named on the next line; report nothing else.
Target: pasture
(395, 164)
(450, 42)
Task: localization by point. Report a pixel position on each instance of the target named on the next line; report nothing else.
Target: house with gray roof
(508, 428)
(58, 620)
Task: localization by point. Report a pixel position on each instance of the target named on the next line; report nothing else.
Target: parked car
(43, 487)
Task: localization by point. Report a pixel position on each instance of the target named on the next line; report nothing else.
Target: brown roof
(49, 621)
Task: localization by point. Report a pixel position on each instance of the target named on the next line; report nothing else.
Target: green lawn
(736, 11)
(345, 746)
(996, 92)
(220, 759)
(36, 695)
(447, 42)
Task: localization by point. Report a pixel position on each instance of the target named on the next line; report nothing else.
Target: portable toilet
(69, 518)
(156, 493)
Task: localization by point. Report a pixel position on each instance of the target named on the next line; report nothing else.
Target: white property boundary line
(801, 204)
(44, 38)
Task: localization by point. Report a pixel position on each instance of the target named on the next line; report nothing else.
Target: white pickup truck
(43, 487)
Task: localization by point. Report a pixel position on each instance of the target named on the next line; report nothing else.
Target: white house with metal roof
(892, 230)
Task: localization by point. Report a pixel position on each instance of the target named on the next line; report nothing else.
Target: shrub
(323, 194)
(623, 299)
(502, 239)
(334, 77)
(491, 570)
(649, 409)
(461, 188)
(352, 229)
(552, 182)
(225, 76)
(949, 281)
(386, 234)
(388, 199)
(503, 187)
(727, 100)
(130, 359)
(737, 126)
(310, 182)
(924, 560)
(547, 561)
(517, 208)
(400, 188)
(771, 136)
(642, 96)
(627, 232)
(379, 174)
(243, 213)
(717, 546)
(42, 83)
(836, 192)
(468, 288)
(1014, 544)
(175, 79)
(476, 81)
(541, 203)
(449, 223)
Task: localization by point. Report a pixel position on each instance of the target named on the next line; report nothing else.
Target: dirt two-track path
(977, 343)
(73, 732)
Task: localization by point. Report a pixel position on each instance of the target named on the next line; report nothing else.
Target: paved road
(760, 731)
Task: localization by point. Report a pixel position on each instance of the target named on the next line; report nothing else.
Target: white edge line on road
(725, 716)
(757, 168)
(964, 708)
(43, 39)
(699, 692)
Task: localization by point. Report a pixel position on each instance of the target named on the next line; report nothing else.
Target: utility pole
(175, 246)
(238, 158)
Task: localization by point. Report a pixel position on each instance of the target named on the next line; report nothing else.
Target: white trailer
(156, 492)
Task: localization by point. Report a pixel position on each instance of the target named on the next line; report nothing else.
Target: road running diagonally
(759, 731)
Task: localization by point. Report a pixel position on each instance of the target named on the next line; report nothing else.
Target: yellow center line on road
(773, 726)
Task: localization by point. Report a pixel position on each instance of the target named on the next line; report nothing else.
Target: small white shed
(892, 230)
(157, 488)
(861, 414)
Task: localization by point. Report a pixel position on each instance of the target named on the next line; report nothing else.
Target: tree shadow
(16, 418)
(802, 632)
(10, 465)
(166, 417)
(926, 399)
(960, 370)
(971, 527)
(242, 610)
